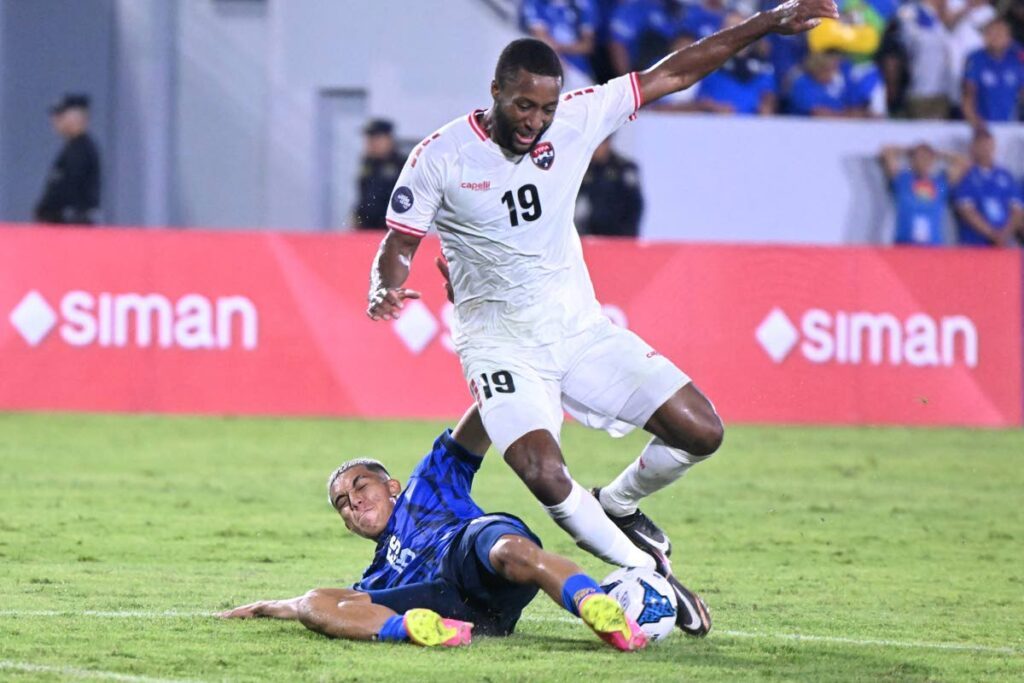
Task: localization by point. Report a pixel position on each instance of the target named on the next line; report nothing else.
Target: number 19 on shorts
(484, 386)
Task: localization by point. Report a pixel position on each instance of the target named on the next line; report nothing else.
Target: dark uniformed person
(72, 192)
(610, 198)
(379, 173)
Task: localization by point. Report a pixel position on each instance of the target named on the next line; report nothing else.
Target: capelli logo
(478, 187)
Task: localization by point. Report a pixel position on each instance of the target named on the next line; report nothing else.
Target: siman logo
(873, 338)
(141, 320)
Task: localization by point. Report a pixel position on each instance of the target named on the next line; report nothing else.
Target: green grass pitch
(825, 554)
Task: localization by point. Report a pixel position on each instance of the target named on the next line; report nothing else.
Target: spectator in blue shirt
(568, 26)
(920, 192)
(821, 89)
(743, 85)
(988, 201)
(701, 19)
(640, 32)
(864, 89)
(993, 77)
(787, 53)
(832, 86)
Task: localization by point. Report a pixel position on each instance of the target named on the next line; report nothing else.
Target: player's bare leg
(688, 422)
(537, 459)
(520, 560)
(686, 430)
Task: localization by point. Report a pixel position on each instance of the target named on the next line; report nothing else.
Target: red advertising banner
(271, 323)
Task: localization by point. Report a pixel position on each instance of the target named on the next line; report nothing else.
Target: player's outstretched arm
(350, 614)
(282, 609)
(390, 271)
(334, 612)
(684, 68)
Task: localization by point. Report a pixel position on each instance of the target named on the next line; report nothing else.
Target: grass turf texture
(912, 537)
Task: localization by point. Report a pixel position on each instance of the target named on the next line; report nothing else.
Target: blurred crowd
(986, 200)
(921, 59)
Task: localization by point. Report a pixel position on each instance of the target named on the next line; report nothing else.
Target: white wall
(141, 158)
(716, 178)
(249, 75)
(221, 98)
(48, 48)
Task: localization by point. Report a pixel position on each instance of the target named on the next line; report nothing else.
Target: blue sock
(393, 630)
(577, 587)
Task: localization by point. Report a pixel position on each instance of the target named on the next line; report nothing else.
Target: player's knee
(700, 437)
(708, 437)
(514, 557)
(542, 470)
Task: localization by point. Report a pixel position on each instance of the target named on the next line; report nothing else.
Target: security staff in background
(72, 192)
(610, 201)
(380, 168)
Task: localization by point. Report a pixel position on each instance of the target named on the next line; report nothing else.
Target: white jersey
(506, 223)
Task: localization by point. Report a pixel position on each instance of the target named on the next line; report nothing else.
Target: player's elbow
(310, 613)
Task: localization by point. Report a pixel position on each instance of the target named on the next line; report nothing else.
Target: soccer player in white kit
(500, 187)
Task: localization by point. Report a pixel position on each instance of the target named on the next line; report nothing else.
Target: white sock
(582, 517)
(658, 466)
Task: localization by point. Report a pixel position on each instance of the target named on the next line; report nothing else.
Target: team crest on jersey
(401, 200)
(543, 155)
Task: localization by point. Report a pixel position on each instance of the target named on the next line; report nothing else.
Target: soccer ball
(646, 596)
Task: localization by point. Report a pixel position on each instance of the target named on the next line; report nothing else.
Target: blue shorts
(469, 589)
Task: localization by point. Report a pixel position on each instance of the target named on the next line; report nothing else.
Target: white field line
(794, 637)
(122, 614)
(74, 672)
(839, 640)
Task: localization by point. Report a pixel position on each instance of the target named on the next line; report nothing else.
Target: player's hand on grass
(249, 611)
(442, 265)
(797, 16)
(386, 303)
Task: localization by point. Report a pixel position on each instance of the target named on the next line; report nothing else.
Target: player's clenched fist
(386, 303)
(797, 16)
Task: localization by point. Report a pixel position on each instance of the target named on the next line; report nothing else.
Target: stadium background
(227, 284)
(246, 114)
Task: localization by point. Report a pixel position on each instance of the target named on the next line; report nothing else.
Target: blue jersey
(993, 192)
(863, 84)
(997, 83)
(427, 517)
(565, 21)
(700, 22)
(807, 94)
(920, 203)
(635, 18)
(744, 94)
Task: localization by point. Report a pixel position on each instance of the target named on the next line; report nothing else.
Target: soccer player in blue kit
(442, 566)
(499, 186)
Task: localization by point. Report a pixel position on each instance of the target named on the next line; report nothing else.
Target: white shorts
(606, 377)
